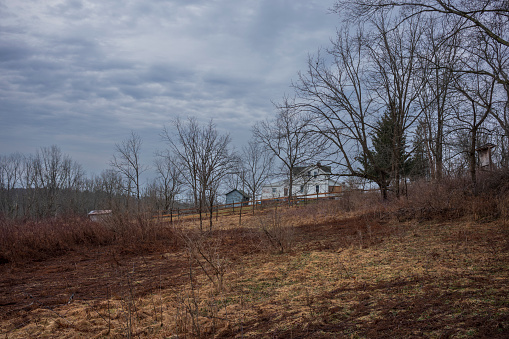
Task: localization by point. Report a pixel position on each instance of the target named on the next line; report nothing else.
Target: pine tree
(384, 153)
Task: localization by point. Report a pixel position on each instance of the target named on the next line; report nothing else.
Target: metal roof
(241, 192)
(99, 212)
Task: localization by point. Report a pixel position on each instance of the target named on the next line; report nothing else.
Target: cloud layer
(82, 74)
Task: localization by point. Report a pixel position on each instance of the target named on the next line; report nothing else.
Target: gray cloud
(82, 74)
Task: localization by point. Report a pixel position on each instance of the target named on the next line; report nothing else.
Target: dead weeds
(346, 275)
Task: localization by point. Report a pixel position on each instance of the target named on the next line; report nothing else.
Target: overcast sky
(83, 74)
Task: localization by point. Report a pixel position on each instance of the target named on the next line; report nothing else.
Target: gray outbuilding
(236, 197)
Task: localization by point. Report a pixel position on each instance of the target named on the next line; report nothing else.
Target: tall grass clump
(493, 195)
(452, 198)
(22, 240)
(140, 232)
(30, 240)
(277, 232)
(435, 199)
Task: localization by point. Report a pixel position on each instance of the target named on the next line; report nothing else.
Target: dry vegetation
(434, 264)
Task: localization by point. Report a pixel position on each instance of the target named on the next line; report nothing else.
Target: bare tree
(168, 183)
(495, 57)
(11, 170)
(204, 155)
(184, 147)
(126, 161)
(257, 166)
(234, 178)
(28, 182)
(53, 174)
(346, 92)
(44, 185)
(439, 55)
(480, 19)
(49, 176)
(342, 108)
(476, 104)
(482, 24)
(288, 139)
(108, 188)
(486, 16)
(397, 79)
(73, 183)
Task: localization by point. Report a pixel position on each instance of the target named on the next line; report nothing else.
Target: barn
(236, 197)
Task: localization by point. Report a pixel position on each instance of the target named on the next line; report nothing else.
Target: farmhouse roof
(302, 169)
(241, 192)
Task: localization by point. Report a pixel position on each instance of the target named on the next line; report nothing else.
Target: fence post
(240, 213)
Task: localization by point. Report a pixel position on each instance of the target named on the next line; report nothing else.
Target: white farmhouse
(306, 180)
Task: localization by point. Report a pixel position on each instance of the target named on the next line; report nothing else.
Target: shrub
(278, 235)
(25, 240)
(22, 240)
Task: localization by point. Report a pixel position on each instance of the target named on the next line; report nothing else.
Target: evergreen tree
(384, 152)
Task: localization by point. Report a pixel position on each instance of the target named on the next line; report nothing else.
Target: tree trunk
(290, 188)
(472, 161)
(210, 218)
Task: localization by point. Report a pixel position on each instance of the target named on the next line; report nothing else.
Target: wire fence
(245, 207)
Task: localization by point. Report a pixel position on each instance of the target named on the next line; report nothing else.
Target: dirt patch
(84, 276)
(336, 234)
(343, 277)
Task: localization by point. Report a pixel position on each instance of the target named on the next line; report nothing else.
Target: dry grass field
(351, 268)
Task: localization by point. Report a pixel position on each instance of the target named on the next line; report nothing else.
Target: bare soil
(342, 276)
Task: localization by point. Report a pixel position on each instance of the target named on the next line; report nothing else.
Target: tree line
(409, 88)
(405, 90)
(49, 183)
(197, 163)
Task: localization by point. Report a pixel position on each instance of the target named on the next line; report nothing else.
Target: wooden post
(240, 213)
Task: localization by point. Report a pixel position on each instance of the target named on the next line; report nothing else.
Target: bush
(37, 240)
(26, 240)
(453, 198)
(277, 233)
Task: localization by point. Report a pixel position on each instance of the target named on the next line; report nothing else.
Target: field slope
(296, 273)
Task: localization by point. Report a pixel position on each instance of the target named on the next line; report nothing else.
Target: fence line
(249, 206)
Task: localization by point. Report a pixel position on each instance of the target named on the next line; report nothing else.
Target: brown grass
(435, 264)
(22, 241)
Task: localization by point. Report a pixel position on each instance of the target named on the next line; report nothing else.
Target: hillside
(320, 271)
